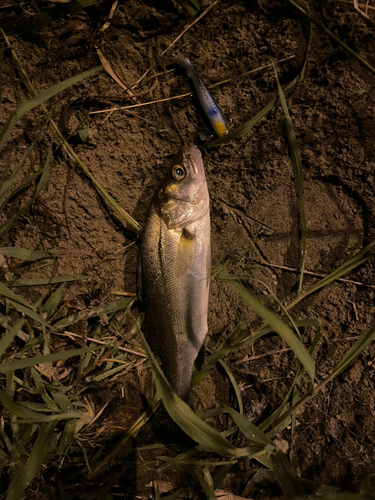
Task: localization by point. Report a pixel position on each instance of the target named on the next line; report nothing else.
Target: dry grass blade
(198, 5)
(39, 99)
(298, 176)
(107, 66)
(23, 253)
(299, 6)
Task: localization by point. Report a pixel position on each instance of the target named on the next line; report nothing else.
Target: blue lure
(209, 105)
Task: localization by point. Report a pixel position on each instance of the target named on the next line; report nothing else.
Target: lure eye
(178, 173)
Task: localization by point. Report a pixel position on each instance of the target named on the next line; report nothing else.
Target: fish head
(183, 195)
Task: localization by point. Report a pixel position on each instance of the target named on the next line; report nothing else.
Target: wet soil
(251, 188)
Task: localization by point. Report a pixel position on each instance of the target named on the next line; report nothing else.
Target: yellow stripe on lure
(209, 105)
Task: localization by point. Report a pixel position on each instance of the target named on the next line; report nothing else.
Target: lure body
(209, 105)
(175, 268)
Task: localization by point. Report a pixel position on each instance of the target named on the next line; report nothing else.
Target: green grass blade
(125, 445)
(41, 386)
(21, 411)
(186, 455)
(184, 416)
(359, 346)
(221, 474)
(206, 487)
(287, 478)
(298, 175)
(95, 311)
(234, 385)
(251, 431)
(61, 399)
(4, 228)
(357, 260)
(7, 339)
(35, 460)
(47, 281)
(20, 364)
(246, 127)
(279, 326)
(191, 6)
(67, 436)
(30, 104)
(282, 307)
(53, 301)
(4, 290)
(23, 253)
(30, 313)
(5, 186)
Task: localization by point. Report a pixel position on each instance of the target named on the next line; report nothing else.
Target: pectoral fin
(185, 253)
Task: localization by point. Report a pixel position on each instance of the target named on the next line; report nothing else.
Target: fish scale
(175, 270)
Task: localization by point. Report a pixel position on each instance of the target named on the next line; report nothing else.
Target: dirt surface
(250, 179)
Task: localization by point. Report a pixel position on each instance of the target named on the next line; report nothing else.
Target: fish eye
(178, 173)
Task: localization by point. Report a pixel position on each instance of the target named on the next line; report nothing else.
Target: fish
(174, 266)
(209, 105)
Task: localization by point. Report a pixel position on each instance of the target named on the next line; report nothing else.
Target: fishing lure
(209, 105)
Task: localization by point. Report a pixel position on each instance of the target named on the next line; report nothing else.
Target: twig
(188, 94)
(107, 66)
(110, 17)
(270, 65)
(361, 5)
(124, 294)
(179, 36)
(97, 341)
(251, 358)
(361, 12)
(191, 25)
(311, 273)
(141, 104)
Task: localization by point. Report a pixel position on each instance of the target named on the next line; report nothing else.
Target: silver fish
(174, 269)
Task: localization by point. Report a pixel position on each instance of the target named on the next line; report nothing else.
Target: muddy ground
(251, 178)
